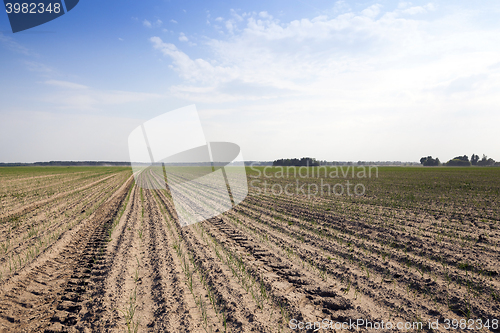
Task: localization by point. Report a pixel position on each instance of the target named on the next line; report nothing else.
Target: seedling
(136, 275)
(420, 271)
(346, 291)
(132, 326)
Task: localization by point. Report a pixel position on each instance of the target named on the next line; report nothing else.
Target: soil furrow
(58, 303)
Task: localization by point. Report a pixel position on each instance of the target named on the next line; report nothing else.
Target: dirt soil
(131, 267)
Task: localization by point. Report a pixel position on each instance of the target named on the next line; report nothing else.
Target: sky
(337, 81)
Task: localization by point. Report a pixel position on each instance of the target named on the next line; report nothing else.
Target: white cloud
(192, 70)
(232, 23)
(404, 4)
(14, 46)
(322, 47)
(229, 26)
(340, 7)
(371, 11)
(414, 10)
(265, 15)
(173, 21)
(467, 84)
(430, 7)
(148, 24)
(372, 73)
(235, 15)
(182, 37)
(65, 84)
(419, 9)
(35, 66)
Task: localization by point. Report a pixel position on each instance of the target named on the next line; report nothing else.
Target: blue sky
(345, 80)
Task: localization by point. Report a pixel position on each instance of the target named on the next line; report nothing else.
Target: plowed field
(87, 250)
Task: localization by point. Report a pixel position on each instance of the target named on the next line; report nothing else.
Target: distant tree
(464, 158)
(459, 161)
(429, 161)
(304, 161)
(474, 159)
(485, 161)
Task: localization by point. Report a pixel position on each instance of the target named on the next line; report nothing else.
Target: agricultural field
(85, 249)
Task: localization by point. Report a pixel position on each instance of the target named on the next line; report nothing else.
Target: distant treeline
(304, 161)
(307, 161)
(388, 163)
(67, 163)
(460, 161)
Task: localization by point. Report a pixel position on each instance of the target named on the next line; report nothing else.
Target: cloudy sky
(345, 80)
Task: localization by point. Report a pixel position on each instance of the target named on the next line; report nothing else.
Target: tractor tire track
(48, 295)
